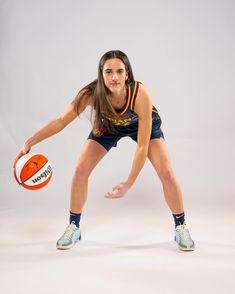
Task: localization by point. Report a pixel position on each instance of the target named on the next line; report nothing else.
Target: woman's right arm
(53, 127)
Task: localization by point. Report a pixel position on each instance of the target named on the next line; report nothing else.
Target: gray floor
(118, 254)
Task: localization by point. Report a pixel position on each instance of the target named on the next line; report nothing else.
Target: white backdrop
(183, 51)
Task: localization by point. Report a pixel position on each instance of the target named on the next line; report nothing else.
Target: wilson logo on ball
(45, 174)
(33, 171)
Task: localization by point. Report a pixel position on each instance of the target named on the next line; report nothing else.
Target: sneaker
(71, 235)
(183, 238)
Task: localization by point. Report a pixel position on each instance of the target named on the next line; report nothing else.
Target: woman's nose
(114, 77)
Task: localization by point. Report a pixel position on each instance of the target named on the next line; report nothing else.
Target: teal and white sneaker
(71, 235)
(183, 238)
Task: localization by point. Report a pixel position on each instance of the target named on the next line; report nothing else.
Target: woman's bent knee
(166, 175)
(81, 172)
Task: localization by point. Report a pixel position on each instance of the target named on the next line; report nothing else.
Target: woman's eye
(119, 72)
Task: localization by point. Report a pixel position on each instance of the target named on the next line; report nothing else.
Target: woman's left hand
(118, 191)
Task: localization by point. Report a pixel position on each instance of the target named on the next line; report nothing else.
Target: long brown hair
(100, 93)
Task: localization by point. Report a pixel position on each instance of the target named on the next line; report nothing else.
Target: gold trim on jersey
(154, 109)
(128, 101)
(134, 96)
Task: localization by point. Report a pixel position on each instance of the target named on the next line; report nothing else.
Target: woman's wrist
(129, 182)
(28, 144)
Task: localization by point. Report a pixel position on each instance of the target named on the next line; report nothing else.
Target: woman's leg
(91, 154)
(159, 157)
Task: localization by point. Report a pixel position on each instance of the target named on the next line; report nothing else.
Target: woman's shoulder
(87, 93)
(142, 96)
(82, 100)
(89, 100)
(139, 88)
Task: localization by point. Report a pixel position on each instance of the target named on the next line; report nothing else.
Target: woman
(122, 107)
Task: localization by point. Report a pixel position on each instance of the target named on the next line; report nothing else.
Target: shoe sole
(69, 246)
(183, 248)
(186, 249)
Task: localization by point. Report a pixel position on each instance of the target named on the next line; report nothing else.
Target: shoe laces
(184, 233)
(69, 231)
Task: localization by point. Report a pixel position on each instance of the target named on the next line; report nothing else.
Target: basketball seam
(33, 175)
(24, 167)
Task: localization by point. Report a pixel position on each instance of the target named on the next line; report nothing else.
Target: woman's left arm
(143, 108)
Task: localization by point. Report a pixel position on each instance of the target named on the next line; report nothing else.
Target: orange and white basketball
(33, 171)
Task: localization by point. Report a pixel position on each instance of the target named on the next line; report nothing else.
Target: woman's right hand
(25, 149)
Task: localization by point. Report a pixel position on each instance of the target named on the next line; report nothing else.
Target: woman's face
(115, 75)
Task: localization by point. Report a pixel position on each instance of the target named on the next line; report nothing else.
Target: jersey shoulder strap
(134, 91)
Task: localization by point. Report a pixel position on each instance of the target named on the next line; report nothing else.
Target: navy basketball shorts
(109, 140)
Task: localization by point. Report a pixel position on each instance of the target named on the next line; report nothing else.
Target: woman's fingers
(25, 149)
(18, 156)
(113, 195)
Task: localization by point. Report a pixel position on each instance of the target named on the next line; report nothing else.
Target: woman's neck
(119, 95)
(118, 99)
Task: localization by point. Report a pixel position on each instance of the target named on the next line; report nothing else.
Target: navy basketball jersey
(127, 114)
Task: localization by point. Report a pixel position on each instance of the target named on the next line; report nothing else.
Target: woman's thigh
(92, 152)
(158, 155)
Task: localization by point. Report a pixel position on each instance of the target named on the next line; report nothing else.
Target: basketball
(33, 171)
